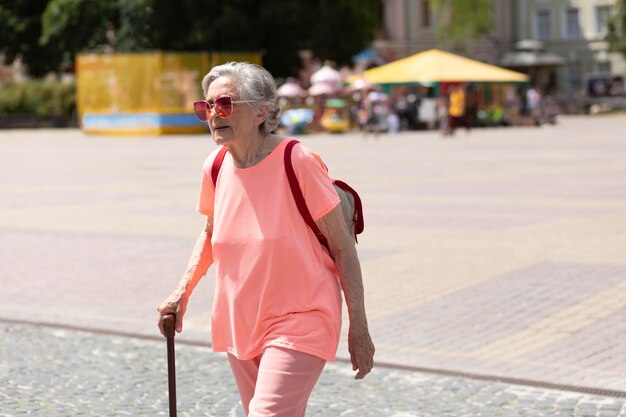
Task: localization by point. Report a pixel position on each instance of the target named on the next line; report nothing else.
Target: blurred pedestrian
(456, 108)
(393, 120)
(534, 101)
(471, 107)
(277, 307)
(442, 114)
(370, 115)
(362, 116)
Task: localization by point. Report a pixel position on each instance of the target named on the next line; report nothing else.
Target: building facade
(410, 26)
(574, 30)
(567, 38)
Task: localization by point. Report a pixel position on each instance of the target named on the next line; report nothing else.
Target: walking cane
(169, 325)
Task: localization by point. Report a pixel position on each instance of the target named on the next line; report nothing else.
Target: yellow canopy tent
(436, 66)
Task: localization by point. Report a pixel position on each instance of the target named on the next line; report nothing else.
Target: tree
(132, 32)
(616, 36)
(342, 28)
(462, 20)
(71, 26)
(19, 36)
(48, 33)
(280, 28)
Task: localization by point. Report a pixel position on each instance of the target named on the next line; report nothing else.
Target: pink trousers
(277, 383)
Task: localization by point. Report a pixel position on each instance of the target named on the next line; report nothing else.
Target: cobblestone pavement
(59, 373)
(497, 253)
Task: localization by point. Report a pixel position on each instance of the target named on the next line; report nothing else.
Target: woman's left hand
(361, 349)
(343, 251)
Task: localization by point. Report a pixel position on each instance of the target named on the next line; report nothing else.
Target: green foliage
(20, 29)
(43, 98)
(48, 33)
(616, 36)
(341, 28)
(280, 28)
(132, 31)
(462, 20)
(71, 25)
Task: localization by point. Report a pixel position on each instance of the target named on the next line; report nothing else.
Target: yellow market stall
(437, 71)
(144, 93)
(436, 66)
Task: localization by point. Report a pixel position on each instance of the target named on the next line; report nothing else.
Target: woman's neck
(254, 151)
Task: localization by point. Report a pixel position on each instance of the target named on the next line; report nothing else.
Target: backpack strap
(294, 185)
(297, 194)
(217, 164)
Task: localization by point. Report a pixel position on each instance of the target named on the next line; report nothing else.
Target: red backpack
(350, 201)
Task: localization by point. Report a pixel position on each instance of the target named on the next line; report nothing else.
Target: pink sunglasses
(222, 106)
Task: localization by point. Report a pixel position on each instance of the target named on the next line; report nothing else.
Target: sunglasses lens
(200, 108)
(223, 106)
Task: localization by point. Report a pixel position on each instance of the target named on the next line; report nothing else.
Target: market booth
(144, 93)
(438, 70)
(436, 66)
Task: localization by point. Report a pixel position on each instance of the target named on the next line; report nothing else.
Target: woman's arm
(199, 262)
(343, 251)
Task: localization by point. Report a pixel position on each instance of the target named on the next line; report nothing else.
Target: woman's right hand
(174, 304)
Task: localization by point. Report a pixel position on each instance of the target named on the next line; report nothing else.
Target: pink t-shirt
(276, 284)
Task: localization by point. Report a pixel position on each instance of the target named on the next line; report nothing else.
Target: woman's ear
(262, 113)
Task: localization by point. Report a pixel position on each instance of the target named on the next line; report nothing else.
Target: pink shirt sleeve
(316, 185)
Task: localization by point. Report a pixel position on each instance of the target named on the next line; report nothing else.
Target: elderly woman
(277, 307)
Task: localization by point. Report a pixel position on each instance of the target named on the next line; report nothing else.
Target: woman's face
(241, 124)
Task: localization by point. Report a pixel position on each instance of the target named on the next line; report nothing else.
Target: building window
(543, 25)
(426, 13)
(604, 68)
(573, 23)
(575, 77)
(603, 15)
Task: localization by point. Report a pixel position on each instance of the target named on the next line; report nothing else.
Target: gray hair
(253, 83)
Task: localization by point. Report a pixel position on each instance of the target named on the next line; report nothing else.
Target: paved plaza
(496, 255)
(57, 373)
